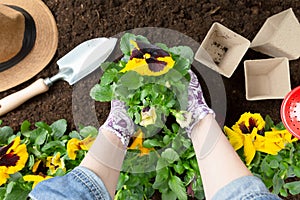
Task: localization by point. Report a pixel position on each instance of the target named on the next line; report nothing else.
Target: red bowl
(290, 112)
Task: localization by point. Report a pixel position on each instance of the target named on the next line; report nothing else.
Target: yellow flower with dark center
(137, 144)
(75, 144)
(55, 162)
(36, 178)
(13, 158)
(245, 132)
(148, 59)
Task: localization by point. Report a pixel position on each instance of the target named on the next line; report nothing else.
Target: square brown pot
(279, 36)
(222, 50)
(267, 78)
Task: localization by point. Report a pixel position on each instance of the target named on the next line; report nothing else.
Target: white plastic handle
(14, 100)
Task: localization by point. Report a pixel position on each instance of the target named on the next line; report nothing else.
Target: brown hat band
(28, 40)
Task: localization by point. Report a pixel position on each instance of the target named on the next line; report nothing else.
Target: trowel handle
(16, 99)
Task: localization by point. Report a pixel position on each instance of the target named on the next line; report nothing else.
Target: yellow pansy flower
(245, 132)
(75, 144)
(55, 162)
(147, 59)
(13, 158)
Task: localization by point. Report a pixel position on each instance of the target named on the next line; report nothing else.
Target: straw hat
(21, 57)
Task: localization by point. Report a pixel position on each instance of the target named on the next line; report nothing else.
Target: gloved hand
(119, 122)
(105, 149)
(197, 106)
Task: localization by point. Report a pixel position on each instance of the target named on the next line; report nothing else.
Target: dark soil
(81, 20)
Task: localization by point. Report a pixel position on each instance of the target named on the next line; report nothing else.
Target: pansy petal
(235, 139)
(249, 149)
(72, 147)
(36, 166)
(86, 143)
(3, 178)
(137, 144)
(35, 179)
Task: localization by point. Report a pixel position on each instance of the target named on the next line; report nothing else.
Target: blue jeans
(245, 188)
(82, 184)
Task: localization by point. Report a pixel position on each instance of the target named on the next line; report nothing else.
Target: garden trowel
(78, 63)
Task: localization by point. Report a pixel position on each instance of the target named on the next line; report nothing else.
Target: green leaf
(280, 126)
(40, 139)
(122, 180)
(149, 143)
(17, 192)
(36, 133)
(176, 185)
(167, 139)
(269, 123)
(178, 168)
(277, 183)
(75, 134)
(31, 161)
(122, 92)
(2, 192)
(162, 46)
(101, 93)
(125, 44)
(170, 155)
(274, 164)
(297, 171)
(183, 51)
(169, 195)
(53, 145)
(59, 128)
(163, 173)
(25, 126)
(182, 65)
(283, 192)
(161, 163)
(88, 131)
(132, 80)
(5, 133)
(160, 184)
(10, 187)
(175, 127)
(43, 125)
(16, 176)
(108, 76)
(108, 65)
(173, 75)
(293, 187)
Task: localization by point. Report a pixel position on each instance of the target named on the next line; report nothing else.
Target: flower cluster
(151, 79)
(250, 133)
(31, 156)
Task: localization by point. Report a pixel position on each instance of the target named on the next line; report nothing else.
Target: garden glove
(209, 134)
(119, 123)
(197, 106)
